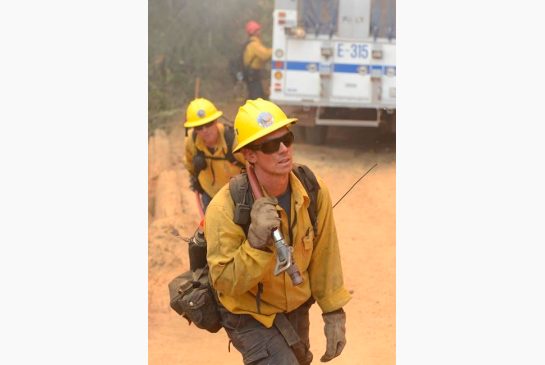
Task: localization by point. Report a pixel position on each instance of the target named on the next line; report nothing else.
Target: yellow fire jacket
(236, 268)
(217, 172)
(256, 54)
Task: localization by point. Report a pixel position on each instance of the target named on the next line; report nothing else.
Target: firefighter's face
(278, 162)
(209, 133)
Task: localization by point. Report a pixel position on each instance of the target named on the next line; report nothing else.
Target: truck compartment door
(302, 63)
(351, 78)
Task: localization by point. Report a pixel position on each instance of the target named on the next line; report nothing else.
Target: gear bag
(191, 295)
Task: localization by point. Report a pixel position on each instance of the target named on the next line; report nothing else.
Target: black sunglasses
(204, 126)
(273, 145)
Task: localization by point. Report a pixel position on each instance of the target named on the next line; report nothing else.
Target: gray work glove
(334, 329)
(264, 219)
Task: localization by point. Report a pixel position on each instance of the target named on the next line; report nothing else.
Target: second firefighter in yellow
(209, 156)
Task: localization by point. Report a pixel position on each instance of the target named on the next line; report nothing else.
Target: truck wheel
(316, 134)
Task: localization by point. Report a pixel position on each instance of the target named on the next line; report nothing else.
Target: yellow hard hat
(201, 111)
(256, 119)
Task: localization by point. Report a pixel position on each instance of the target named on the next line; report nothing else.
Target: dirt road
(365, 222)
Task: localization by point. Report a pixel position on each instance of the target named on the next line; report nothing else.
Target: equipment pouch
(199, 162)
(192, 297)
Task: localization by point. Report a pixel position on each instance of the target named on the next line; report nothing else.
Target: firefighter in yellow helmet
(209, 156)
(266, 316)
(255, 57)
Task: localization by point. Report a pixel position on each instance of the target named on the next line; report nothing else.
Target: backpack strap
(241, 194)
(307, 177)
(200, 156)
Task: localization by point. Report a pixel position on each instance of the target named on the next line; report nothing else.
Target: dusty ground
(366, 227)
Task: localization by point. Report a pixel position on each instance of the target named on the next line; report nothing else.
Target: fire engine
(334, 63)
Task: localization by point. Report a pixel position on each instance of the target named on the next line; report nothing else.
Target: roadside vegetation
(195, 39)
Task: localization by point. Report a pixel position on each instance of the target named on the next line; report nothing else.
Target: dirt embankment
(365, 222)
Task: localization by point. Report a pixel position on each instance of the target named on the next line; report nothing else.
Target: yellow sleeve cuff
(334, 301)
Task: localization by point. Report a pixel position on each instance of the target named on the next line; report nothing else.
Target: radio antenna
(357, 181)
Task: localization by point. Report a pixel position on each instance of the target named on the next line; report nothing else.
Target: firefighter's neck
(274, 184)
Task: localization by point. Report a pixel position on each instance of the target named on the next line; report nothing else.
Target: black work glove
(334, 329)
(195, 185)
(264, 219)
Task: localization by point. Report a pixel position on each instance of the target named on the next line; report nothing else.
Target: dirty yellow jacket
(217, 172)
(236, 268)
(256, 54)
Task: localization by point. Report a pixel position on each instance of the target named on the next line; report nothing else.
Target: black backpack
(237, 69)
(191, 294)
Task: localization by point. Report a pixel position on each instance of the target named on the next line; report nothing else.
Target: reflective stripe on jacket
(217, 172)
(257, 54)
(236, 268)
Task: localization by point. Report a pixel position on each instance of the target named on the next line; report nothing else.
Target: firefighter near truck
(334, 64)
